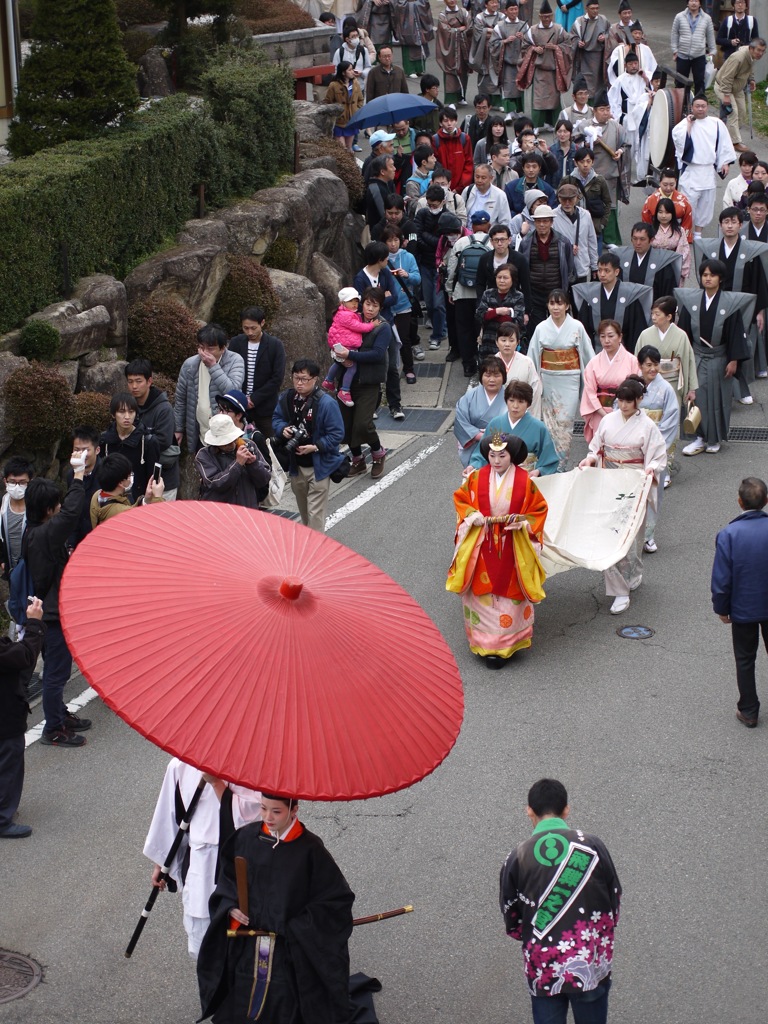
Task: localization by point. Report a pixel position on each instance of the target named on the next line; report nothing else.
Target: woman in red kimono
(495, 568)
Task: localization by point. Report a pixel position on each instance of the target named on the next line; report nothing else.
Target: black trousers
(466, 331)
(746, 640)
(696, 66)
(11, 777)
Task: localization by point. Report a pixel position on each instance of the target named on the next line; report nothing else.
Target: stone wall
(309, 210)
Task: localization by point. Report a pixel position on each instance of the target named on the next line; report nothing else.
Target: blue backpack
(21, 588)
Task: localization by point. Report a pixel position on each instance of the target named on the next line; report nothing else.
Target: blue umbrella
(397, 106)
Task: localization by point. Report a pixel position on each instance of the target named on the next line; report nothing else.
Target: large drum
(667, 110)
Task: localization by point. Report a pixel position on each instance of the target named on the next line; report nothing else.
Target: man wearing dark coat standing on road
(740, 589)
(264, 358)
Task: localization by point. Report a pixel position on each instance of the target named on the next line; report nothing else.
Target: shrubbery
(140, 12)
(265, 16)
(106, 204)
(166, 384)
(39, 406)
(40, 340)
(282, 254)
(247, 284)
(163, 331)
(92, 407)
(76, 80)
(250, 101)
(136, 43)
(346, 165)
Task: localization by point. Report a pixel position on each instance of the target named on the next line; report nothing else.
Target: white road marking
(381, 485)
(76, 704)
(79, 702)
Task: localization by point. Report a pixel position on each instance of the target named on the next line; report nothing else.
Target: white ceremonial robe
(647, 60)
(203, 841)
(637, 95)
(710, 148)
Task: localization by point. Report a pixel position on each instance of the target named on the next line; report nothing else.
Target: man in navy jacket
(740, 589)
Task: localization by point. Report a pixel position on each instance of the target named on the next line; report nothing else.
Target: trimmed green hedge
(113, 201)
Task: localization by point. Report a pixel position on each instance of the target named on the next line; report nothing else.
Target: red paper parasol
(261, 651)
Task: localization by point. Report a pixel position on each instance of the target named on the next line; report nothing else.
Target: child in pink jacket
(347, 330)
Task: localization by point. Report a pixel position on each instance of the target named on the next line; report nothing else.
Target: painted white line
(381, 485)
(76, 704)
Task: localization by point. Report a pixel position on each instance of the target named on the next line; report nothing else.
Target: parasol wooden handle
(241, 874)
(246, 933)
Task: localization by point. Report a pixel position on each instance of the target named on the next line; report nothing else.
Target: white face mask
(16, 491)
(452, 239)
(354, 40)
(130, 482)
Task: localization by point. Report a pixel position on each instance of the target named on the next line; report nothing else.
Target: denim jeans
(433, 300)
(57, 666)
(588, 1007)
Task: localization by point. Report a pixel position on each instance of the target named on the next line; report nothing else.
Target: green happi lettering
(579, 860)
(571, 876)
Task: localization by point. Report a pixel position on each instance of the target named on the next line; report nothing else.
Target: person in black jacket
(427, 237)
(85, 442)
(127, 436)
(17, 659)
(380, 185)
(49, 522)
(156, 415)
(264, 358)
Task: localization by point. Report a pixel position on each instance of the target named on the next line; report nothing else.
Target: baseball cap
(381, 136)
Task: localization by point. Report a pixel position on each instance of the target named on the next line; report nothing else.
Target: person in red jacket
(453, 150)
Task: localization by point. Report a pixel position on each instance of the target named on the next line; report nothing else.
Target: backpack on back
(469, 263)
(21, 588)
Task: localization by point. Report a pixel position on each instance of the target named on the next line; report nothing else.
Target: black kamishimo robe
(296, 890)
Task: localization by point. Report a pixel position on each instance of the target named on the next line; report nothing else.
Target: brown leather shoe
(377, 468)
(357, 468)
(750, 723)
(740, 147)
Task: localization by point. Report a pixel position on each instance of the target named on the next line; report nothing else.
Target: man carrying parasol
(299, 968)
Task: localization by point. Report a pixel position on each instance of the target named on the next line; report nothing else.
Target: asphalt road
(642, 733)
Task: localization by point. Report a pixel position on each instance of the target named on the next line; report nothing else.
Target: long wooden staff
(166, 869)
(246, 933)
(606, 147)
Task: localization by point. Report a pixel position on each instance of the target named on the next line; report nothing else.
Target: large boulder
(273, 212)
(348, 253)
(315, 120)
(107, 377)
(9, 363)
(191, 274)
(70, 370)
(106, 291)
(82, 330)
(208, 231)
(300, 324)
(328, 201)
(154, 78)
(329, 279)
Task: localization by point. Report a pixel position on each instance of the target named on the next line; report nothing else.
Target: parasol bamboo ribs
(247, 933)
(166, 869)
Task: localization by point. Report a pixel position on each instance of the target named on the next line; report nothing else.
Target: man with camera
(308, 431)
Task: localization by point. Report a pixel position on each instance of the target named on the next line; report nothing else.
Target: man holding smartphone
(49, 523)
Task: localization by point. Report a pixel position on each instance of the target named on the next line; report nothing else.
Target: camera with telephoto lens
(299, 437)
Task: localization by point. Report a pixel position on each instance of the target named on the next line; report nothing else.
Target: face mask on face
(354, 40)
(16, 491)
(452, 239)
(130, 483)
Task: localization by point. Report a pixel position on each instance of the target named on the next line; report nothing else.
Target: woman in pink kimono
(628, 438)
(603, 375)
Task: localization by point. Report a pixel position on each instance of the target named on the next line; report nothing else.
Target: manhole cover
(635, 632)
(18, 975)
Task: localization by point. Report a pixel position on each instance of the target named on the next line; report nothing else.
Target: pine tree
(76, 80)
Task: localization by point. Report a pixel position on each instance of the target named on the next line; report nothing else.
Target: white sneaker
(762, 374)
(749, 400)
(713, 449)
(620, 604)
(418, 352)
(695, 447)
(635, 583)
(650, 546)
(433, 345)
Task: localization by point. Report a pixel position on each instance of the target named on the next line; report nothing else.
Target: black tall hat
(545, 8)
(625, 5)
(580, 84)
(636, 26)
(601, 99)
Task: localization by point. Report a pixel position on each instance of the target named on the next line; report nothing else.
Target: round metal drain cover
(18, 975)
(635, 632)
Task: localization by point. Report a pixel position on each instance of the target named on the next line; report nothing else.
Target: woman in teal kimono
(476, 408)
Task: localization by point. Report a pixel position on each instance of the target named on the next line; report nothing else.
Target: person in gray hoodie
(156, 414)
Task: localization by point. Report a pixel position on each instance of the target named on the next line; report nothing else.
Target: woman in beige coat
(345, 89)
